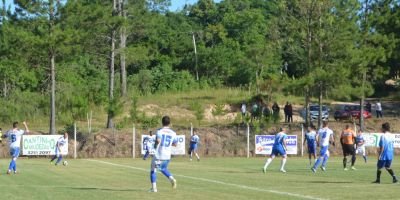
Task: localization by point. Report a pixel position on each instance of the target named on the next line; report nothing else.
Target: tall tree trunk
(4, 88)
(122, 48)
(52, 71)
(111, 70)
(362, 100)
(320, 106)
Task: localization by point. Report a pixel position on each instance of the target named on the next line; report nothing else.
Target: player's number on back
(13, 138)
(166, 140)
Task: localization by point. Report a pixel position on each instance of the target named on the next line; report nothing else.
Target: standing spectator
(254, 111)
(368, 107)
(266, 111)
(243, 109)
(290, 113)
(286, 111)
(275, 110)
(378, 108)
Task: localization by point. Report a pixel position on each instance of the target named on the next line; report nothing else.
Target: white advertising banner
(264, 144)
(33, 145)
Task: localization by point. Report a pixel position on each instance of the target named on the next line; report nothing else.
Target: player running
(14, 139)
(311, 140)
(165, 139)
(385, 154)
(347, 139)
(148, 143)
(279, 148)
(60, 144)
(325, 135)
(360, 141)
(194, 141)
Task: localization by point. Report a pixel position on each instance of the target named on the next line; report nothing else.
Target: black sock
(344, 162)
(353, 160)
(378, 175)
(391, 172)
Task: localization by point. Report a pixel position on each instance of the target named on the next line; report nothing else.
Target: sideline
(217, 182)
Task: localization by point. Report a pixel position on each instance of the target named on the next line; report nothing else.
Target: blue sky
(175, 4)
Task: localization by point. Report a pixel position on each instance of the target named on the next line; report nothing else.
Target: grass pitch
(211, 178)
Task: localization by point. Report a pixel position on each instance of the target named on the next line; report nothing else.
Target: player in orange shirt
(347, 139)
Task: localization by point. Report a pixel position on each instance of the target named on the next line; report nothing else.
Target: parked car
(350, 112)
(314, 112)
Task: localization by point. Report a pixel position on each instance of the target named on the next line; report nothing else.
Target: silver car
(314, 112)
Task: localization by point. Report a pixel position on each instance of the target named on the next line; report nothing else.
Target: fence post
(191, 129)
(75, 140)
(302, 139)
(133, 142)
(355, 127)
(248, 140)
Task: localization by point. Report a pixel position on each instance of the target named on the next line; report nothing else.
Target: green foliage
(218, 110)
(198, 110)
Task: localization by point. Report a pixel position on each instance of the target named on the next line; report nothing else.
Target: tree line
(60, 58)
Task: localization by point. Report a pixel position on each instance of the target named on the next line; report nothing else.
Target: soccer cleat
(9, 172)
(395, 180)
(190, 160)
(173, 183)
(377, 182)
(198, 159)
(323, 168)
(15, 172)
(282, 170)
(313, 170)
(152, 190)
(353, 168)
(264, 170)
(51, 162)
(345, 169)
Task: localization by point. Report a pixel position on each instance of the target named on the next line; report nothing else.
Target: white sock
(154, 186)
(283, 163)
(197, 156)
(171, 178)
(267, 163)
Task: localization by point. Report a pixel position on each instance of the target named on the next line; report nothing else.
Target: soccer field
(212, 178)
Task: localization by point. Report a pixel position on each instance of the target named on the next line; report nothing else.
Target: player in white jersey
(360, 142)
(60, 144)
(194, 141)
(325, 137)
(14, 139)
(148, 143)
(165, 139)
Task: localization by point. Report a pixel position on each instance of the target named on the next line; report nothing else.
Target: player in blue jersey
(279, 148)
(325, 137)
(59, 145)
(386, 152)
(165, 139)
(148, 143)
(14, 138)
(194, 141)
(360, 141)
(311, 141)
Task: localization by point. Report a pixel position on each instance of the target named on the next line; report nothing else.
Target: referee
(347, 139)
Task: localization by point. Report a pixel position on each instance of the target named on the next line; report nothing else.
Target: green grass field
(212, 178)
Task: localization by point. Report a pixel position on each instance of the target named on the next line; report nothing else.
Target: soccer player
(60, 144)
(360, 141)
(279, 148)
(311, 141)
(165, 139)
(148, 143)
(347, 139)
(194, 140)
(14, 139)
(385, 154)
(325, 136)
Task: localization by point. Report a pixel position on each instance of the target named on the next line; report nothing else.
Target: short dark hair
(325, 123)
(15, 124)
(166, 121)
(386, 127)
(347, 126)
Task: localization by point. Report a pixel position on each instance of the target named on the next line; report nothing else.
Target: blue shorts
(159, 164)
(278, 151)
(193, 146)
(14, 152)
(384, 163)
(312, 149)
(323, 150)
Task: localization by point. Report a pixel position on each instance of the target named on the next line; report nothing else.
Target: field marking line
(218, 182)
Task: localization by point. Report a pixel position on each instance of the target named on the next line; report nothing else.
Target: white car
(314, 112)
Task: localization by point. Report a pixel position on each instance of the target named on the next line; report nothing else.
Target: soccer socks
(391, 172)
(12, 165)
(365, 159)
(317, 163)
(325, 161)
(59, 159)
(153, 177)
(146, 155)
(54, 157)
(197, 155)
(267, 163)
(283, 164)
(378, 175)
(344, 162)
(353, 160)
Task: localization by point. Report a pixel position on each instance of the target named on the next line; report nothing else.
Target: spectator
(286, 111)
(275, 110)
(243, 109)
(368, 107)
(266, 111)
(378, 108)
(290, 113)
(255, 111)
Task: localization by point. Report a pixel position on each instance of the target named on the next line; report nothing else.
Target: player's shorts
(312, 148)
(278, 151)
(348, 149)
(193, 147)
(384, 163)
(14, 152)
(324, 151)
(159, 164)
(360, 150)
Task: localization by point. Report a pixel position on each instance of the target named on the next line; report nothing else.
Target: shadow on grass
(333, 182)
(106, 189)
(198, 98)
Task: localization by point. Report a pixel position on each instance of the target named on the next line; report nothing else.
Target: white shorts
(361, 150)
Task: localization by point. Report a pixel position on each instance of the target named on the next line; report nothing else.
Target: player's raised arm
(26, 126)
